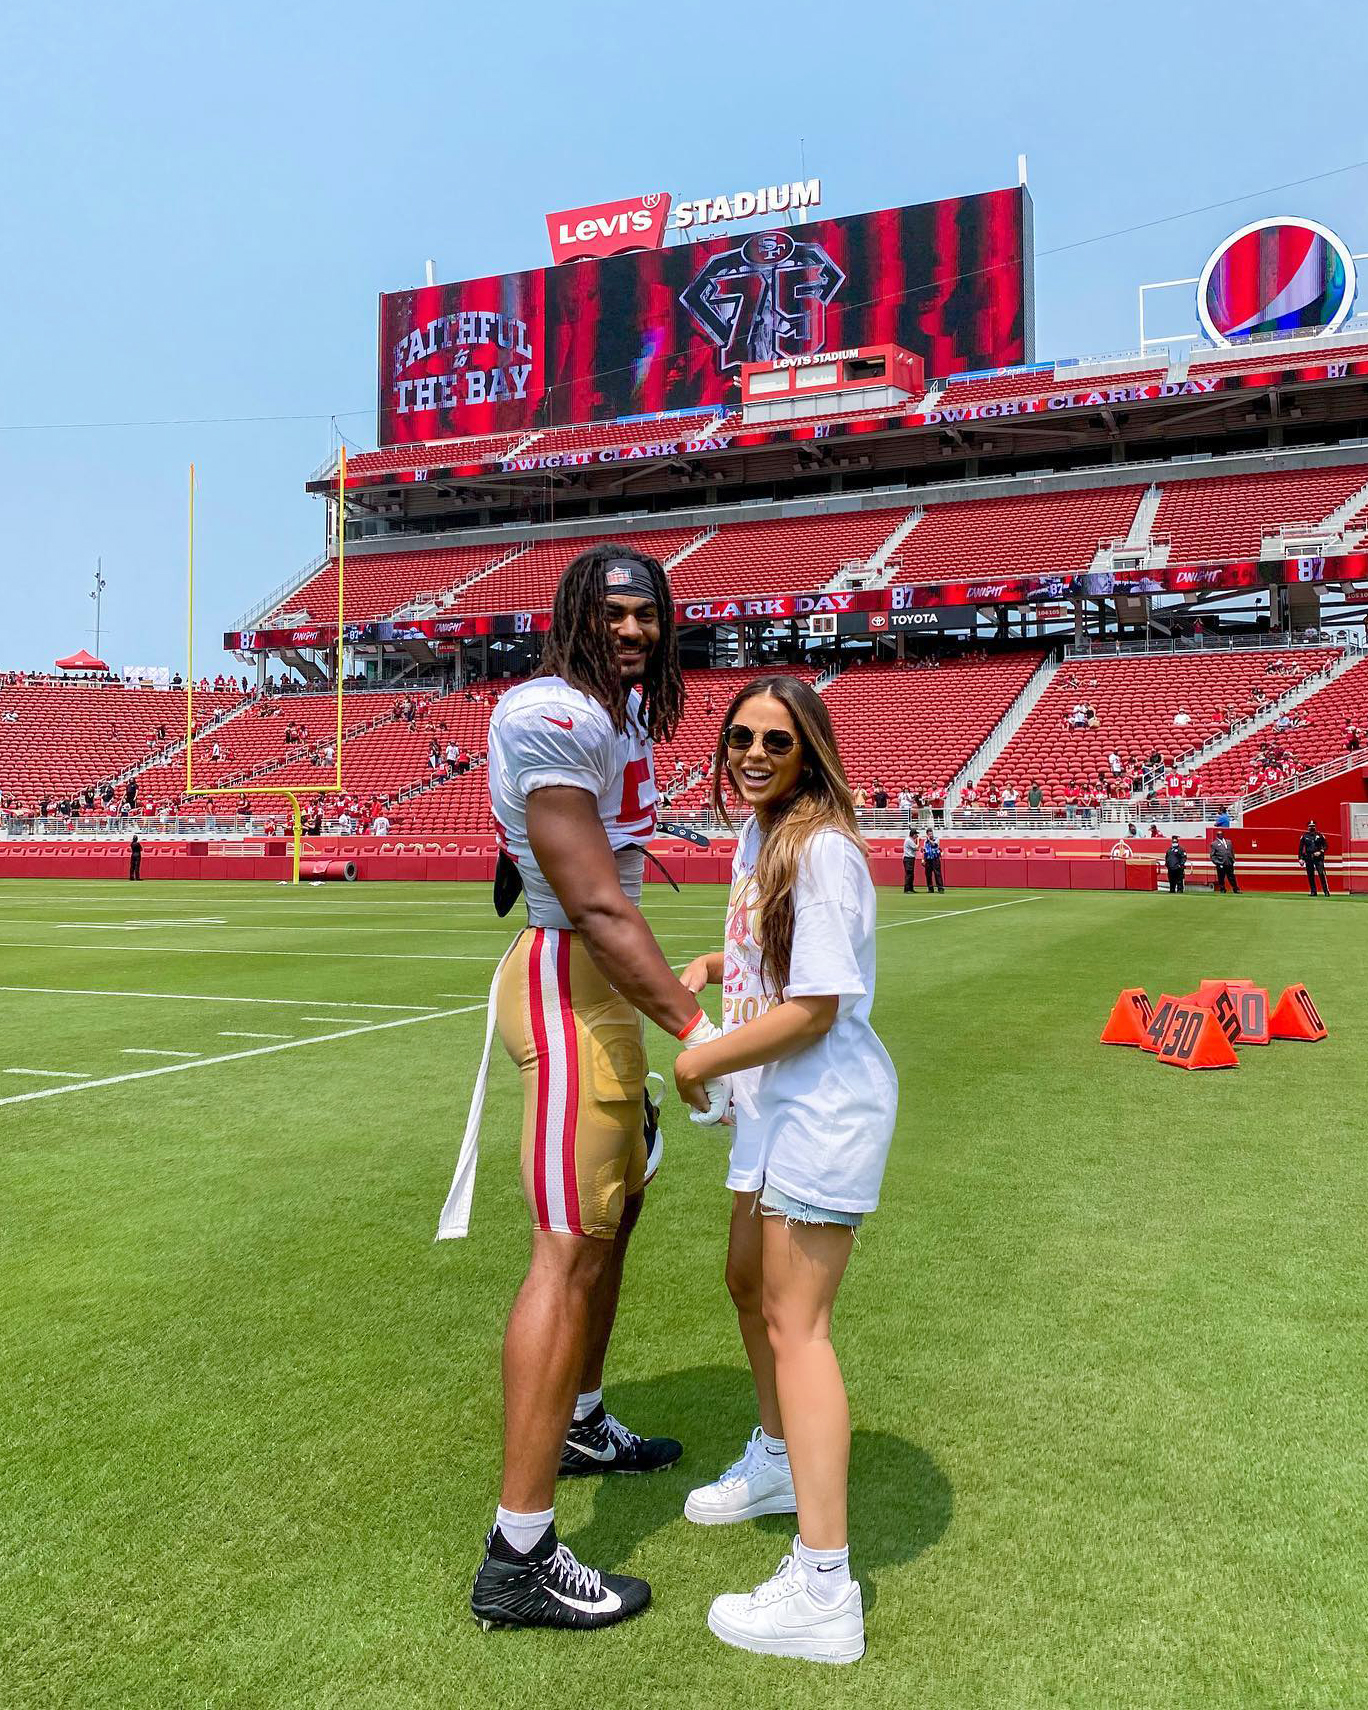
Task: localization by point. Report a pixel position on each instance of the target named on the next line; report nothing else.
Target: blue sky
(203, 203)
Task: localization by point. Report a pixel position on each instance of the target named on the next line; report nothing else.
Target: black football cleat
(548, 1588)
(602, 1444)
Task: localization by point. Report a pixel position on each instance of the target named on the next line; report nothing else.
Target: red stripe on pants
(534, 1005)
(572, 1205)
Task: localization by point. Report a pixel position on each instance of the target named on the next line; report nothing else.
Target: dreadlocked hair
(579, 645)
(821, 801)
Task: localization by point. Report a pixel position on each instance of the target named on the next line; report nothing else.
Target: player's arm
(573, 852)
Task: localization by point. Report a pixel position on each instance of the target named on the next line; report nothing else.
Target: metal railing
(1098, 647)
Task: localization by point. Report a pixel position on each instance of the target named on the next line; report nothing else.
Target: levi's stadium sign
(608, 228)
(613, 228)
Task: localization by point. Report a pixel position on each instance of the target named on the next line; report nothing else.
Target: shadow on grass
(900, 1501)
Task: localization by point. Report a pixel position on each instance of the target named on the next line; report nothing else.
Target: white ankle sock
(523, 1530)
(586, 1403)
(774, 1447)
(827, 1572)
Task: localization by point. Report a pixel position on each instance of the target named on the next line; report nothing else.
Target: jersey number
(634, 775)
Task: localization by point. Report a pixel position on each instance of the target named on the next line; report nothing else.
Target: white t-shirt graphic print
(816, 1125)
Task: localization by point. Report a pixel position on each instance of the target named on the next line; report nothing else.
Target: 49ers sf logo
(767, 297)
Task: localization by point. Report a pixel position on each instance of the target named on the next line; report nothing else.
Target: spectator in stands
(1009, 799)
(1035, 796)
(931, 860)
(1114, 762)
(434, 758)
(380, 824)
(905, 802)
(1092, 721)
(936, 802)
(451, 755)
(1223, 860)
(216, 753)
(909, 855)
(1311, 853)
(859, 790)
(130, 792)
(1175, 863)
(880, 795)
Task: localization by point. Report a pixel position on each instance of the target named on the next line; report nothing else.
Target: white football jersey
(545, 733)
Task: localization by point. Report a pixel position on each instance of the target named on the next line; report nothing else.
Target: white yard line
(50, 1074)
(150, 1051)
(238, 1056)
(328, 1018)
(202, 997)
(949, 913)
(240, 1035)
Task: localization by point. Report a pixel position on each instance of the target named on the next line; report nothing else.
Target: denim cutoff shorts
(773, 1203)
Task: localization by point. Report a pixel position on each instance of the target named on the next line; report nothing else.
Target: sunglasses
(775, 742)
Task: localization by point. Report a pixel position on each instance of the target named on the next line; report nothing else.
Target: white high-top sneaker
(781, 1618)
(756, 1484)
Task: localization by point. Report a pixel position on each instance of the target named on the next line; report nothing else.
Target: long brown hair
(579, 644)
(821, 802)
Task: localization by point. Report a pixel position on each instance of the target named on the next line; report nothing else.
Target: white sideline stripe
(188, 950)
(349, 927)
(323, 1018)
(949, 913)
(263, 1035)
(54, 1074)
(237, 1056)
(150, 1051)
(201, 997)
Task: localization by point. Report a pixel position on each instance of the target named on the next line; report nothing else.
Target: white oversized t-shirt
(545, 733)
(816, 1125)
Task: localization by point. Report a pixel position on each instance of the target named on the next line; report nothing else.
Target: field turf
(1105, 1338)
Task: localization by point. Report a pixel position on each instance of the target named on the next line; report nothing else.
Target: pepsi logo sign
(1283, 275)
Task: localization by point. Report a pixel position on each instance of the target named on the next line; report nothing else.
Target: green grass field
(1105, 1338)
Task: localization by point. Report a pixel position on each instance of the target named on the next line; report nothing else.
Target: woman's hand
(688, 1081)
(696, 975)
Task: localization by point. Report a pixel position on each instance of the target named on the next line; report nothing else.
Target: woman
(815, 1097)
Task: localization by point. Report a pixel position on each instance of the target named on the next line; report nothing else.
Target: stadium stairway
(1306, 690)
(1137, 697)
(1338, 693)
(1004, 730)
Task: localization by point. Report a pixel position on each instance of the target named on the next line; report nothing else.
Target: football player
(572, 787)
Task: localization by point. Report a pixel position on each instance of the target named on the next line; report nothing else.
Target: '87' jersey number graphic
(765, 298)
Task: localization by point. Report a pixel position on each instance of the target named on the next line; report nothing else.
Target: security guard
(1311, 854)
(910, 860)
(1175, 861)
(931, 860)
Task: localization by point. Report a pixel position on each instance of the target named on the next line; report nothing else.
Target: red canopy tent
(81, 661)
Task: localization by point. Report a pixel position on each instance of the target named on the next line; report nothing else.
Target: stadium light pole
(95, 594)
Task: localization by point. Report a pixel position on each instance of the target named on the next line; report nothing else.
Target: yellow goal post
(291, 795)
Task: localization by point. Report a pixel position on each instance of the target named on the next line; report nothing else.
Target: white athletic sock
(827, 1572)
(775, 1447)
(586, 1403)
(523, 1530)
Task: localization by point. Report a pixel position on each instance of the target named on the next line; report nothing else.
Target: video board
(667, 330)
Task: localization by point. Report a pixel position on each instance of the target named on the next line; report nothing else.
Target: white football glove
(718, 1091)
